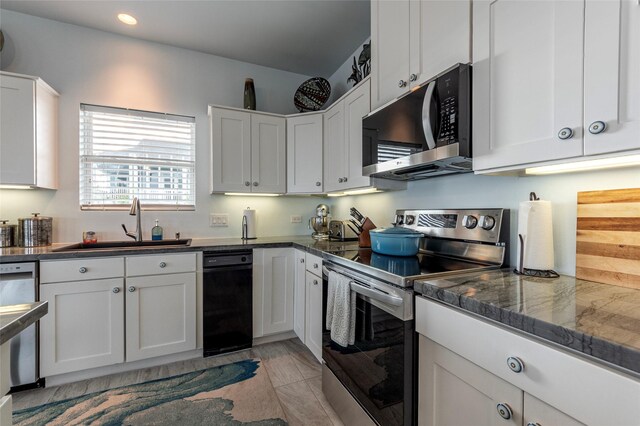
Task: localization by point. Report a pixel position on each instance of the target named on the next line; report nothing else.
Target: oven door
(378, 368)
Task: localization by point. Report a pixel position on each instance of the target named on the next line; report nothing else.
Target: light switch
(219, 220)
(296, 218)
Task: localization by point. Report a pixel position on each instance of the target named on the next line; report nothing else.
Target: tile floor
(293, 371)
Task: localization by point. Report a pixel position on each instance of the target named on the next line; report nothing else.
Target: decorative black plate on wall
(312, 94)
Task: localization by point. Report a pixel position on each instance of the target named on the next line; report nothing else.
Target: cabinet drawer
(314, 264)
(81, 269)
(572, 384)
(160, 264)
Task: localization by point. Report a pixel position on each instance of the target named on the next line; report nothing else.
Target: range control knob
(409, 219)
(487, 222)
(469, 221)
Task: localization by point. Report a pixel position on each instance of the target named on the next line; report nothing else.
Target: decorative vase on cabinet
(249, 95)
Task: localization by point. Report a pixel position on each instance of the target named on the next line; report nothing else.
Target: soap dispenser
(156, 232)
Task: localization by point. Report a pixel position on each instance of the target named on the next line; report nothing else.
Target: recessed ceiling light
(127, 19)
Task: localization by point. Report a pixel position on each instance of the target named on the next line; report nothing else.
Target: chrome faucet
(135, 211)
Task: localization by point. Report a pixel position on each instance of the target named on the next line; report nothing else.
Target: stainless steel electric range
(372, 381)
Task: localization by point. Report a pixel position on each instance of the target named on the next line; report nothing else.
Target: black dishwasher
(227, 301)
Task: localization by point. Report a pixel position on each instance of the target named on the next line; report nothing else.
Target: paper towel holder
(245, 228)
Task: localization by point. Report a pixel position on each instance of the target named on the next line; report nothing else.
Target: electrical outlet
(296, 218)
(219, 220)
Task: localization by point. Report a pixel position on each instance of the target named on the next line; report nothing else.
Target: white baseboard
(274, 338)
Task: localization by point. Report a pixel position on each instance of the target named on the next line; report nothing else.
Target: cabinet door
(17, 131)
(268, 154)
(537, 412)
(356, 105)
(84, 327)
(612, 75)
(527, 81)
(299, 303)
(390, 50)
(161, 315)
(454, 391)
(304, 154)
(273, 284)
(313, 323)
(230, 150)
(335, 159)
(440, 37)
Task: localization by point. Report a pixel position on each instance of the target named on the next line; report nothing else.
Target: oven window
(373, 368)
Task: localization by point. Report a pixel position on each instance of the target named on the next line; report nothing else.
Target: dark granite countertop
(15, 318)
(305, 242)
(599, 320)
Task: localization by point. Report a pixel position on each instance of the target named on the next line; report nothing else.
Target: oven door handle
(376, 294)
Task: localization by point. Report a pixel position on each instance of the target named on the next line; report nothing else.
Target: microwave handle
(426, 115)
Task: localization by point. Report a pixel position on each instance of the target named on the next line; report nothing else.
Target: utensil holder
(364, 240)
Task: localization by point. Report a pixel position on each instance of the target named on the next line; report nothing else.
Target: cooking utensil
(395, 241)
(357, 215)
(357, 225)
(35, 231)
(355, 230)
(7, 234)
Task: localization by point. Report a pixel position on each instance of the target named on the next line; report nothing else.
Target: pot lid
(36, 216)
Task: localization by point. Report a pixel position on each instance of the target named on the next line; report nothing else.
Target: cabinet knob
(504, 410)
(82, 270)
(301, 260)
(255, 184)
(131, 289)
(344, 179)
(318, 183)
(315, 266)
(340, 180)
(315, 282)
(247, 183)
(116, 290)
(515, 364)
(597, 127)
(413, 77)
(162, 265)
(402, 83)
(565, 133)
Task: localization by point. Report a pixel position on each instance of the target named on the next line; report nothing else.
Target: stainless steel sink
(115, 245)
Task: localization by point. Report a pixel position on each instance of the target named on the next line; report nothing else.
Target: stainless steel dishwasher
(227, 301)
(19, 284)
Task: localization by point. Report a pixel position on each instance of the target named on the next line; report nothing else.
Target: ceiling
(311, 37)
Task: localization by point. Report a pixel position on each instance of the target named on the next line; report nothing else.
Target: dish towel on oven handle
(341, 309)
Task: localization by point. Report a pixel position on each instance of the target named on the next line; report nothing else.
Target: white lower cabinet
(161, 315)
(313, 315)
(299, 295)
(273, 288)
(110, 318)
(470, 370)
(84, 327)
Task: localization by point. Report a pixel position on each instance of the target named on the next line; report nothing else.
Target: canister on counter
(7, 234)
(35, 231)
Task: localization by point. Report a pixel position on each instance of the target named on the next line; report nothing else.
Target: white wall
(471, 191)
(89, 66)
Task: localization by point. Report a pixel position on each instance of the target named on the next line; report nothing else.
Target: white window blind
(127, 153)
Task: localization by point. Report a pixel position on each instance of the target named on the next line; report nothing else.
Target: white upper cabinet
(612, 76)
(248, 151)
(531, 103)
(413, 41)
(304, 154)
(343, 140)
(527, 81)
(28, 132)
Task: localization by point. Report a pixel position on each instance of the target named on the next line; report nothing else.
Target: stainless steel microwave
(424, 133)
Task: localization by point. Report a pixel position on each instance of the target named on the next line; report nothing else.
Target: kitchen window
(128, 153)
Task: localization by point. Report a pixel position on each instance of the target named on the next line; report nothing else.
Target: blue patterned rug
(234, 394)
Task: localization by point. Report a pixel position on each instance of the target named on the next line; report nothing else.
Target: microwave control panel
(447, 88)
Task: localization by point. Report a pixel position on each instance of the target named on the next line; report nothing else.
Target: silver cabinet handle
(162, 265)
(565, 133)
(301, 260)
(504, 410)
(515, 364)
(255, 184)
(318, 183)
(340, 180)
(116, 290)
(315, 282)
(131, 289)
(247, 183)
(402, 83)
(533, 424)
(597, 127)
(82, 270)
(413, 77)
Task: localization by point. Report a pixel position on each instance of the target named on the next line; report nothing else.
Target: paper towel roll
(535, 226)
(250, 216)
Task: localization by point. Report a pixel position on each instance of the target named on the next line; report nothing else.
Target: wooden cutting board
(608, 237)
